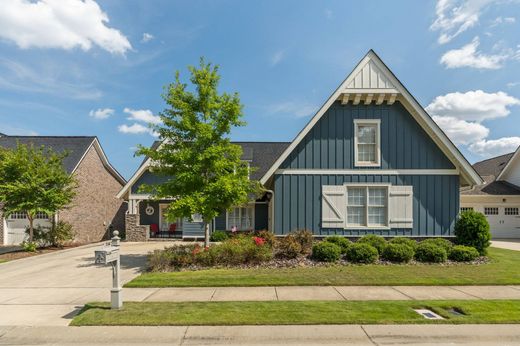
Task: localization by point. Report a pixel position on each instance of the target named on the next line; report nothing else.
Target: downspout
(271, 206)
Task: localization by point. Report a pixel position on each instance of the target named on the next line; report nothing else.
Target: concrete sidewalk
(266, 335)
(321, 293)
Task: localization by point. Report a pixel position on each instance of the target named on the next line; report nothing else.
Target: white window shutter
(333, 206)
(400, 206)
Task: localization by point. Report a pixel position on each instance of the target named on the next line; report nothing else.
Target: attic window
(367, 143)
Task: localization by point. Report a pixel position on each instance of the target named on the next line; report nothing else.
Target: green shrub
(173, 257)
(362, 253)
(472, 229)
(326, 252)
(404, 240)
(288, 247)
(29, 246)
(60, 233)
(400, 253)
(430, 252)
(462, 253)
(375, 240)
(218, 236)
(441, 242)
(305, 238)
(342, 242)
(240, 250)
(268, 236)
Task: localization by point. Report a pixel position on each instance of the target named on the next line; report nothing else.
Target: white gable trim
(508, 166)
(438, 136)
(134, 178)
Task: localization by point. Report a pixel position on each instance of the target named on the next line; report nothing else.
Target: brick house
(95, 206)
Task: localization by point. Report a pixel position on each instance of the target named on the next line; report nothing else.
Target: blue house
(370, 161)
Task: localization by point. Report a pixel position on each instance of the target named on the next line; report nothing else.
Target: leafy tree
(207, 175)
(32, 180)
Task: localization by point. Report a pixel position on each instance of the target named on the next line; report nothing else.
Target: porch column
(134, 230)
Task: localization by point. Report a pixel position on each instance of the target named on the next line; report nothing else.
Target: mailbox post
(109, 254)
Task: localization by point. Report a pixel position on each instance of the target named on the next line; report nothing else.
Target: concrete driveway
(50, 289)
(510, 244)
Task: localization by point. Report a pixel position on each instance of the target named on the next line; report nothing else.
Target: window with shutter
(400, 202)
(333, 206)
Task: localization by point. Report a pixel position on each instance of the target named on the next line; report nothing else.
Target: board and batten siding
(330, 143)
(435, 203)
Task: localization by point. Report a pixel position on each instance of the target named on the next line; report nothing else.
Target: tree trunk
(31, 228)
(206, 234)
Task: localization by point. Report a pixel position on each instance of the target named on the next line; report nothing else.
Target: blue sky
(98, 68)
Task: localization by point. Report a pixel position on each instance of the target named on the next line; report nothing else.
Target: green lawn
(297, 312)
(3, 260)
(504, 269)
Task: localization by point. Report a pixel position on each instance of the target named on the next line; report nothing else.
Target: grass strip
(297, 312)
(502, 270)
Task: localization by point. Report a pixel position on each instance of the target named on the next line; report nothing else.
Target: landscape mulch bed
(308, 262)
(23, 254)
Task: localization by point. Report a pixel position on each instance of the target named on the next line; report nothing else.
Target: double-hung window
(367, 206)
(367, 142)
(241, 218)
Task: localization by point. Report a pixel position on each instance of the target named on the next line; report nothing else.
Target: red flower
(259, 241)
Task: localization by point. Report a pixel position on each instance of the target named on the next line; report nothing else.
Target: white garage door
(16, 230)
(503, 222)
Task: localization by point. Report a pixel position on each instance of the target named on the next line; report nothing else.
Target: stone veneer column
(135, 231)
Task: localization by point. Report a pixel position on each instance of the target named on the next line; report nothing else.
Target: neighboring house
(370, 161)
(499, 197)
(95, 206)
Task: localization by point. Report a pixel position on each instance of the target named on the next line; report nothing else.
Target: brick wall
(95, 206)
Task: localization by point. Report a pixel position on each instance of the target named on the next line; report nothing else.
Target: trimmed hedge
(326, 252)
(342, 242)
(462, 253)
(400, 253)
(472, 229)
(441, 242)
(404, 240)
(374, 240)
(362, 253)
(430, 252)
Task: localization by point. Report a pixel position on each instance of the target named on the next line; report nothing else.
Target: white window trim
(360, 122)
(367, 186)
(250, 205)
(497, 208)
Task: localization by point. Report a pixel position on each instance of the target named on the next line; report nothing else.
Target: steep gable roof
(372, 79)
(77, 147)
(508, 166)
(492, 166)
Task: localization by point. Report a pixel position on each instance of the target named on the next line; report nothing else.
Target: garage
(16, 224)
(504, 222)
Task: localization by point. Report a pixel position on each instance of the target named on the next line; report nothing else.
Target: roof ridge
(23, 136)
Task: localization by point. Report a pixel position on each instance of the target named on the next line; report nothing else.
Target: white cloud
(456, 16)
(277, 57)
(18, 77)
(147, 37)
(512, 84)
(295, 109)
(473, 105)
(461, 131)
(468, 56)
(502, 20)
(142, 115)
(495, 147)
(135, 128)
(59, 24)
(101, 113)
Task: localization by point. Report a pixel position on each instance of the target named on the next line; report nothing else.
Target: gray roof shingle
(75, 145)
(489, 170)
(261, 155)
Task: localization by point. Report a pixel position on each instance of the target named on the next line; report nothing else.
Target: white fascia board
(136, 176)
(503, 174)
(418, 113)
